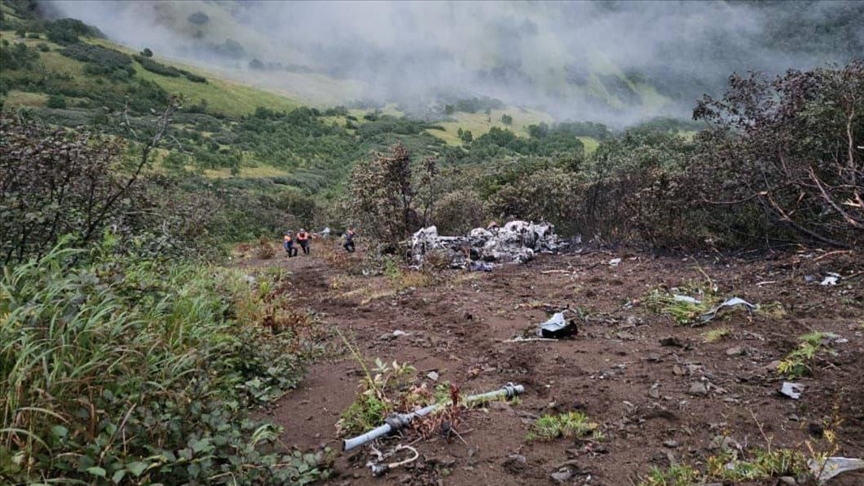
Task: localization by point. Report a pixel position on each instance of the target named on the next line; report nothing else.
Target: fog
(615, 62)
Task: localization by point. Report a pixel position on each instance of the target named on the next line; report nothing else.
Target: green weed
(122, 369)
(714, 335)
(798, 362)
(572, 424)
(675, 475)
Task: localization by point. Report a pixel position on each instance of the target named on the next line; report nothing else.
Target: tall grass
(135, 372)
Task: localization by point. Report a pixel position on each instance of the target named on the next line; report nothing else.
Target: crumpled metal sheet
(733, 302)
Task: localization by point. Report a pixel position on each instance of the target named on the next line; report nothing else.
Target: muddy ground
(657, 400)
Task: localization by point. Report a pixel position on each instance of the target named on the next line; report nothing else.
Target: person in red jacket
(303, 240)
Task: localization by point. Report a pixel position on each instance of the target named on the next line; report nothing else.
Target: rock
(562, 476)
(432, 376)
(671, 444)
(698, 388)
(787, 480)
(671, 341)
(735, 351)
(654, 393)
(723, 442)
(515, 463)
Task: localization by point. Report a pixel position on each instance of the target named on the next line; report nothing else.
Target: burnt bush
(789, 149)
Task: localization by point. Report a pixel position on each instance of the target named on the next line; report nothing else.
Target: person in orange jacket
(289, 244)
(303, 240)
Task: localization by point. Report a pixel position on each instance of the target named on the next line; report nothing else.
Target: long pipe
(397, 421)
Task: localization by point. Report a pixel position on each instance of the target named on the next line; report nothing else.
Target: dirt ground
(622, 369)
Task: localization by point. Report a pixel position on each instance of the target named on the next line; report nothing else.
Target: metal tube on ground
(398, 421)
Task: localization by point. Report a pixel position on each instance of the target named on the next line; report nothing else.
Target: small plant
(675, 475)
(714, 335)
(679, 304)
(572, 424)
(381, 390)
(764, 464)
(797, 363)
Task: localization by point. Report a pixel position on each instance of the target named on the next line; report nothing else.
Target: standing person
(303, 240)
(289, 244)
(349, 239)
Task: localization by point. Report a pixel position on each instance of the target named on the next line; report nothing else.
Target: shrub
(458, 212)
(147, 52)
(56, 101)
(100, 60)
(122, 368)
(787, 148)
(156, 67)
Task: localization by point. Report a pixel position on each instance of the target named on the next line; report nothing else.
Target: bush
(56, 101)
(458, 212)
(147, 52)
(17, 56)
(156, 67)
(122, 368)
(100, 60)
(787, 148)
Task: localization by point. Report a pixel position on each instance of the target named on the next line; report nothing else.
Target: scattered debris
(432, 375)
(481, 267)
(831, 278)
(685, 298)
(834, 466)
(379, 469)
(733, 302)
(520, 339)
(397, 421)
(563, 476)
(792, 390)
(557, 327)
(515, 242)
(614, 262)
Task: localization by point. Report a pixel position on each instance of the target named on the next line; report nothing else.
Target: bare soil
(621, 369)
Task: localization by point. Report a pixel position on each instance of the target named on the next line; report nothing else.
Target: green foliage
(68, 31)
(384, 194)
(380, 392)
(798, 362)
(458, 212)
(17, 56)
(568, 425)
(155, 67)
(506, 119)
(122, 367)
(56, 101)
(675, 475)
(101, 60)
(147, 52)
(764, 464)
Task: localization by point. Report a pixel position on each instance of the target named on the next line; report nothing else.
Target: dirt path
(657, 401)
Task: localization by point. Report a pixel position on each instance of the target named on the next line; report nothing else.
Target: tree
(384, 194)
(198, 18)
(56, 183)
(791, 146)
(506, 119)
(147, 52)
(467, 136)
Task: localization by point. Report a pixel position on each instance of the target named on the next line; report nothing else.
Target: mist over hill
(615, 62)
